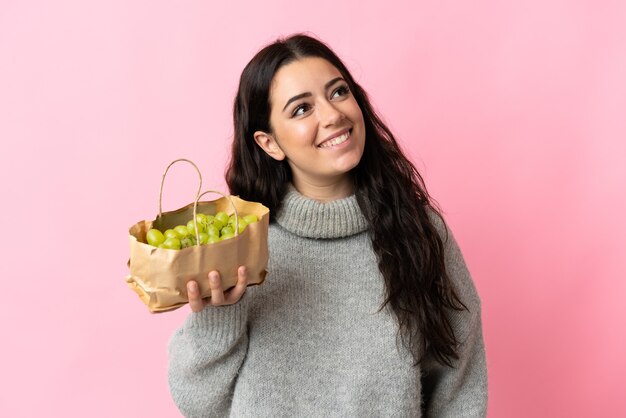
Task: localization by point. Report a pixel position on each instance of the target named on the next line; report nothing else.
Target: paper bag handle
(163, 181)
(195, 207)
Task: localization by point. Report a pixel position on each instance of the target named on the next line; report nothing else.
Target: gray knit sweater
(312, 342)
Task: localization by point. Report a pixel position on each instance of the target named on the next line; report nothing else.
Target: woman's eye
(300, 109)
(340, 91)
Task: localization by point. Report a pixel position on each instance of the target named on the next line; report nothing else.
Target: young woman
(368, 308)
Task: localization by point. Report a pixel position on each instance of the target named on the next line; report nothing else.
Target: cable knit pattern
(312, 341)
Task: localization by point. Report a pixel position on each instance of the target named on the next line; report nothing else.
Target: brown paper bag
(159, 276)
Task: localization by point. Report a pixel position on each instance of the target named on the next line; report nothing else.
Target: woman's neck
(326, 191)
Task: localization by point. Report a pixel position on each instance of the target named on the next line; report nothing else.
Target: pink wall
(513, 111)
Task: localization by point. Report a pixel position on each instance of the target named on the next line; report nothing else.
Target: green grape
(170, 233)
(212, 230)
(201, 218)
(227, 236)
(204, 238)
(242, 225)
(222, 217)
(218, 224)
(181, 230)
(186, 242)
(250, 218)
(155, 237)
(191, 229)
(171, 244)
(204, 220)
(227, 230)
(213, 239)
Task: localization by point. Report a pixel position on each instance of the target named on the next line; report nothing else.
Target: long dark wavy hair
(390, 192)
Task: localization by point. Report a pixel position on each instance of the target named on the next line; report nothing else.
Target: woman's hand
(218, 296)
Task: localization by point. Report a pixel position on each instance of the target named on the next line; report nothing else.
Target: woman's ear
(269, 145)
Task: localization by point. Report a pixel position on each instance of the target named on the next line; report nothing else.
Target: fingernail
(213, 277)
(243, 270)
(193, 287)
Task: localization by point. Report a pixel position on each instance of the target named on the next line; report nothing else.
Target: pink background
(513, 111)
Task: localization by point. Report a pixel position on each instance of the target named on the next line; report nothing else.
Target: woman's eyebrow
(331, 82)
(294, 98)
(307, 94)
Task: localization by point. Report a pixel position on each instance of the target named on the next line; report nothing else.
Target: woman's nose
(330, 114)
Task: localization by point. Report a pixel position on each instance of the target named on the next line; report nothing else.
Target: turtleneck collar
(313, 219)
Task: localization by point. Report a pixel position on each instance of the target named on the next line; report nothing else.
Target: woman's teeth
(335, 141)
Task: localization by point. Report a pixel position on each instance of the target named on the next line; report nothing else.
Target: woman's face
(316, 123)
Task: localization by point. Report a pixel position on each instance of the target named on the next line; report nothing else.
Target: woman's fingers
(237, 292)
(217, 293)
(218, 297)
(195, 301)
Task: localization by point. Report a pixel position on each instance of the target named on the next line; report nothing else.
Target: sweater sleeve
(205, 355)
(461, 390)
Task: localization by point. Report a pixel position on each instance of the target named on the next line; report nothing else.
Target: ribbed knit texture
(312, 340)
(309, 218)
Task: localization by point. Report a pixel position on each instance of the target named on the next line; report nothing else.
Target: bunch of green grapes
(211, 228)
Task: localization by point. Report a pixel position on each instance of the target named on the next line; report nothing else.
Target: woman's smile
(336, 140)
